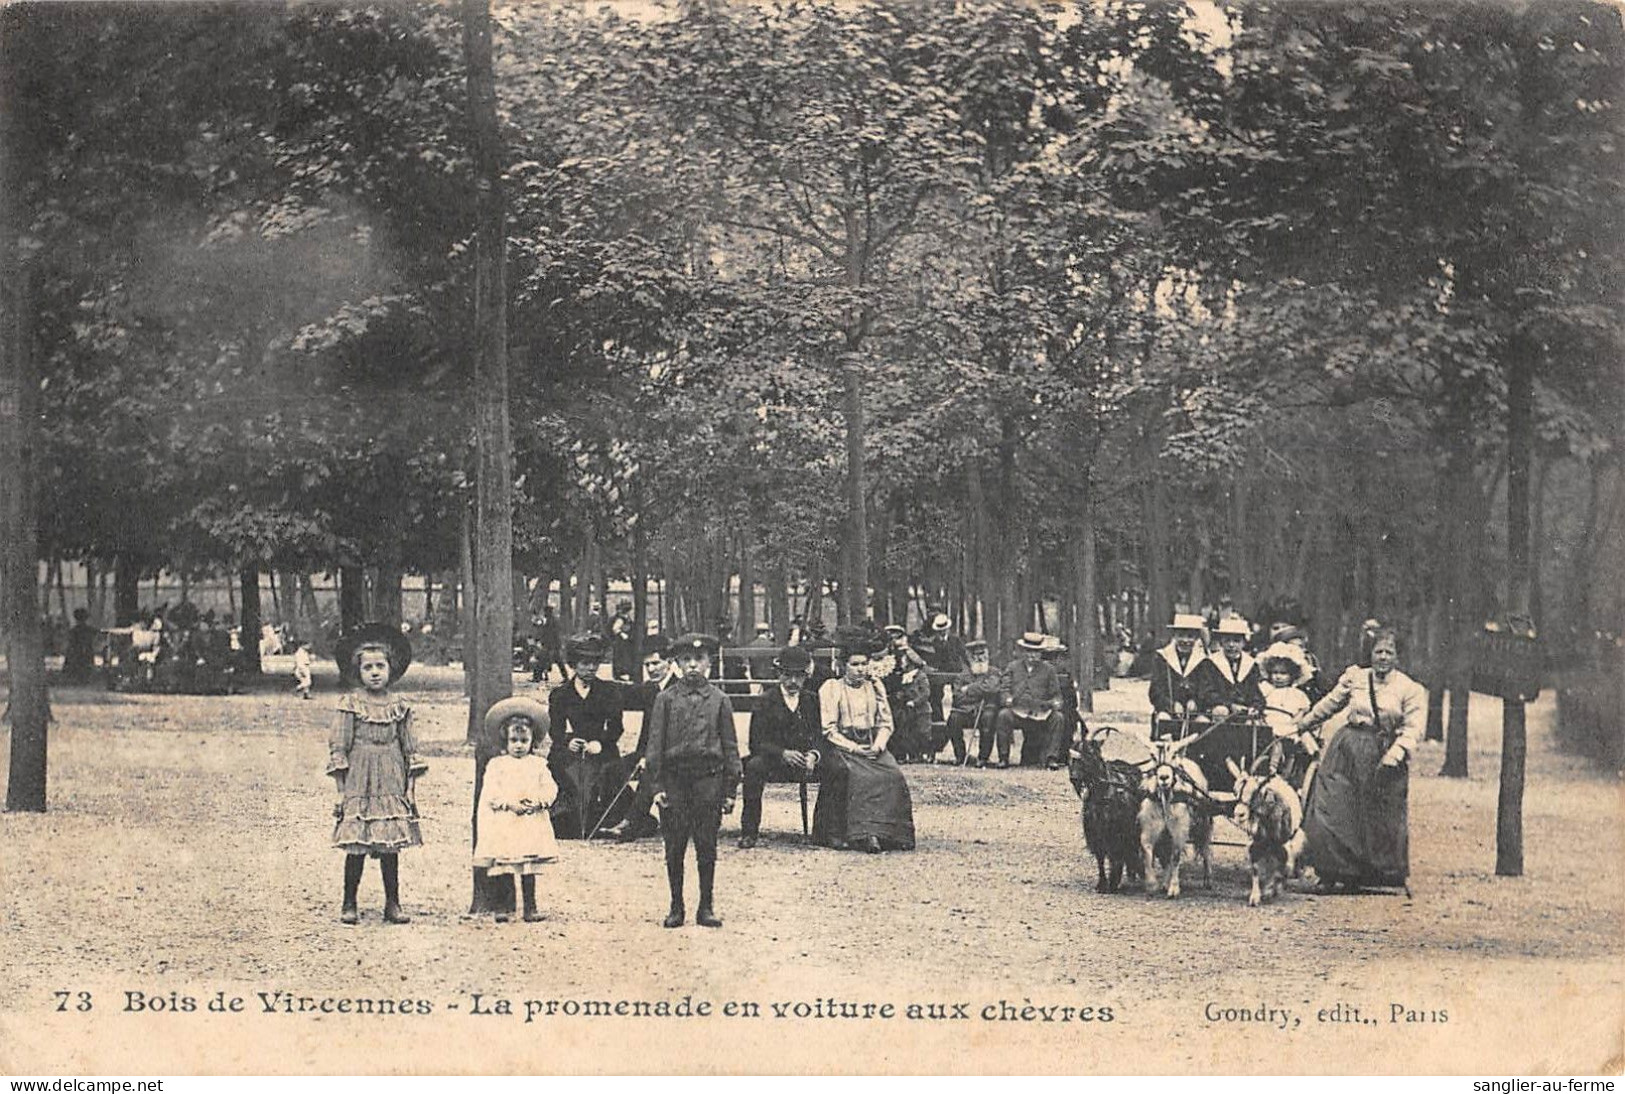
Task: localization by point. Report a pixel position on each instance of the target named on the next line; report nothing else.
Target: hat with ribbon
(515, 706)
(1032, 640)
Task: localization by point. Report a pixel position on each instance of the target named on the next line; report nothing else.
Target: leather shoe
(746, 843)
(674, 918)
(349, 915)
(705, 917)
(534, 916)
(504, 917)
(872, 845)
(393, 914)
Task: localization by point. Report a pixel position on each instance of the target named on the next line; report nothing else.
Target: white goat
(1270, 812)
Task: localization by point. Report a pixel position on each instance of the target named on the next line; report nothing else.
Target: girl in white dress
(515, 831)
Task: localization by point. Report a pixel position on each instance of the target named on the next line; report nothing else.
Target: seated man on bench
(785, 735)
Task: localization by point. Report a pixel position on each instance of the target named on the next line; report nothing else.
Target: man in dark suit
(584, 720)
(639, 819)
(785, 735)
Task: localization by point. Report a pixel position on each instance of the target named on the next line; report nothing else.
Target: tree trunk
(778, 600)
(1460, 507)
(352, 597)
(745, 628)
(493, 514)
(93, 591)
(1088, 633)
(127, 590)
(467, 596)
(640, 592)
(855, 577)
(1158, 580)
(1243, 585)
(1514, 740)
(28, 699)
(386, 596)
(249, 587)
(492, 637)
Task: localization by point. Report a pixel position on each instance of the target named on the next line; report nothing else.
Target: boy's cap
(694, 643)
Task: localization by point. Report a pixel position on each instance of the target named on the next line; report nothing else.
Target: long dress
(860, 796)
(1357, 818)
(510, 842)
(374, 745)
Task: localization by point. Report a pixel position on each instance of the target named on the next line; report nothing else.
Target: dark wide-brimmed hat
(851, 640)
(793, 659)
(373, 634)
(515, 706)
(1032, 640)
(585, 647)
(694, 643)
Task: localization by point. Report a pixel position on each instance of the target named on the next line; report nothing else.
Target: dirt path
(186, 850)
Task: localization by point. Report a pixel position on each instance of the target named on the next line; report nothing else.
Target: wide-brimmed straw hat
(1032, 640)
(1234, 625)
(515, 706)
(1184, 621)
(373, 634)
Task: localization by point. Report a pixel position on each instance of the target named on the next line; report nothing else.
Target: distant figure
(79, 662)
(301, 668)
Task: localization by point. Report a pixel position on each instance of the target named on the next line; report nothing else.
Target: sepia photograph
(815, 537)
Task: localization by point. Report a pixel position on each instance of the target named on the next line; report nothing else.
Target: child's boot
(674, 878)
(505, 903)
(390, 867)
(352, 883)
(527, 885)
(705, 917)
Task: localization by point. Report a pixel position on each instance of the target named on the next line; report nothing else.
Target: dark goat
(1109, 791)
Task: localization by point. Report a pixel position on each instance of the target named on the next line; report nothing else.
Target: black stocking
(353, 865)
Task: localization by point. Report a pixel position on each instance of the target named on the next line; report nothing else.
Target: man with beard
(785, 735)
(1031, 702)
(693, 763)
(976, 702)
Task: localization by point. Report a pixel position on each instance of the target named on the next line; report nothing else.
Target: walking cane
(625, 786)
(976, 724)
(581, 790)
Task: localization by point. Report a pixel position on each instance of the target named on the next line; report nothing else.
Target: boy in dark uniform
(692, 757)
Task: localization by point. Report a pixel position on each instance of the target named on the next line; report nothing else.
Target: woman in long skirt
(863, 799)
(1357, 818)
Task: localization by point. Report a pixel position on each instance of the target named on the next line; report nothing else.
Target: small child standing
(374, 764)
(301, 669)
(514, 833)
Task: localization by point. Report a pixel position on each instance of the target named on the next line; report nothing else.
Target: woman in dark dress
(863, 799)
(1357, 818)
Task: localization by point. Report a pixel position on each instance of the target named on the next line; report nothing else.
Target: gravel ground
(185, 851)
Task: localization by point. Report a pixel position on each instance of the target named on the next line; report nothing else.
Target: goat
(1170, 816)
(1270, 812)
(1109, 804)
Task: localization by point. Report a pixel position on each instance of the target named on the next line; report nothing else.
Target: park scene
(1104, 516)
